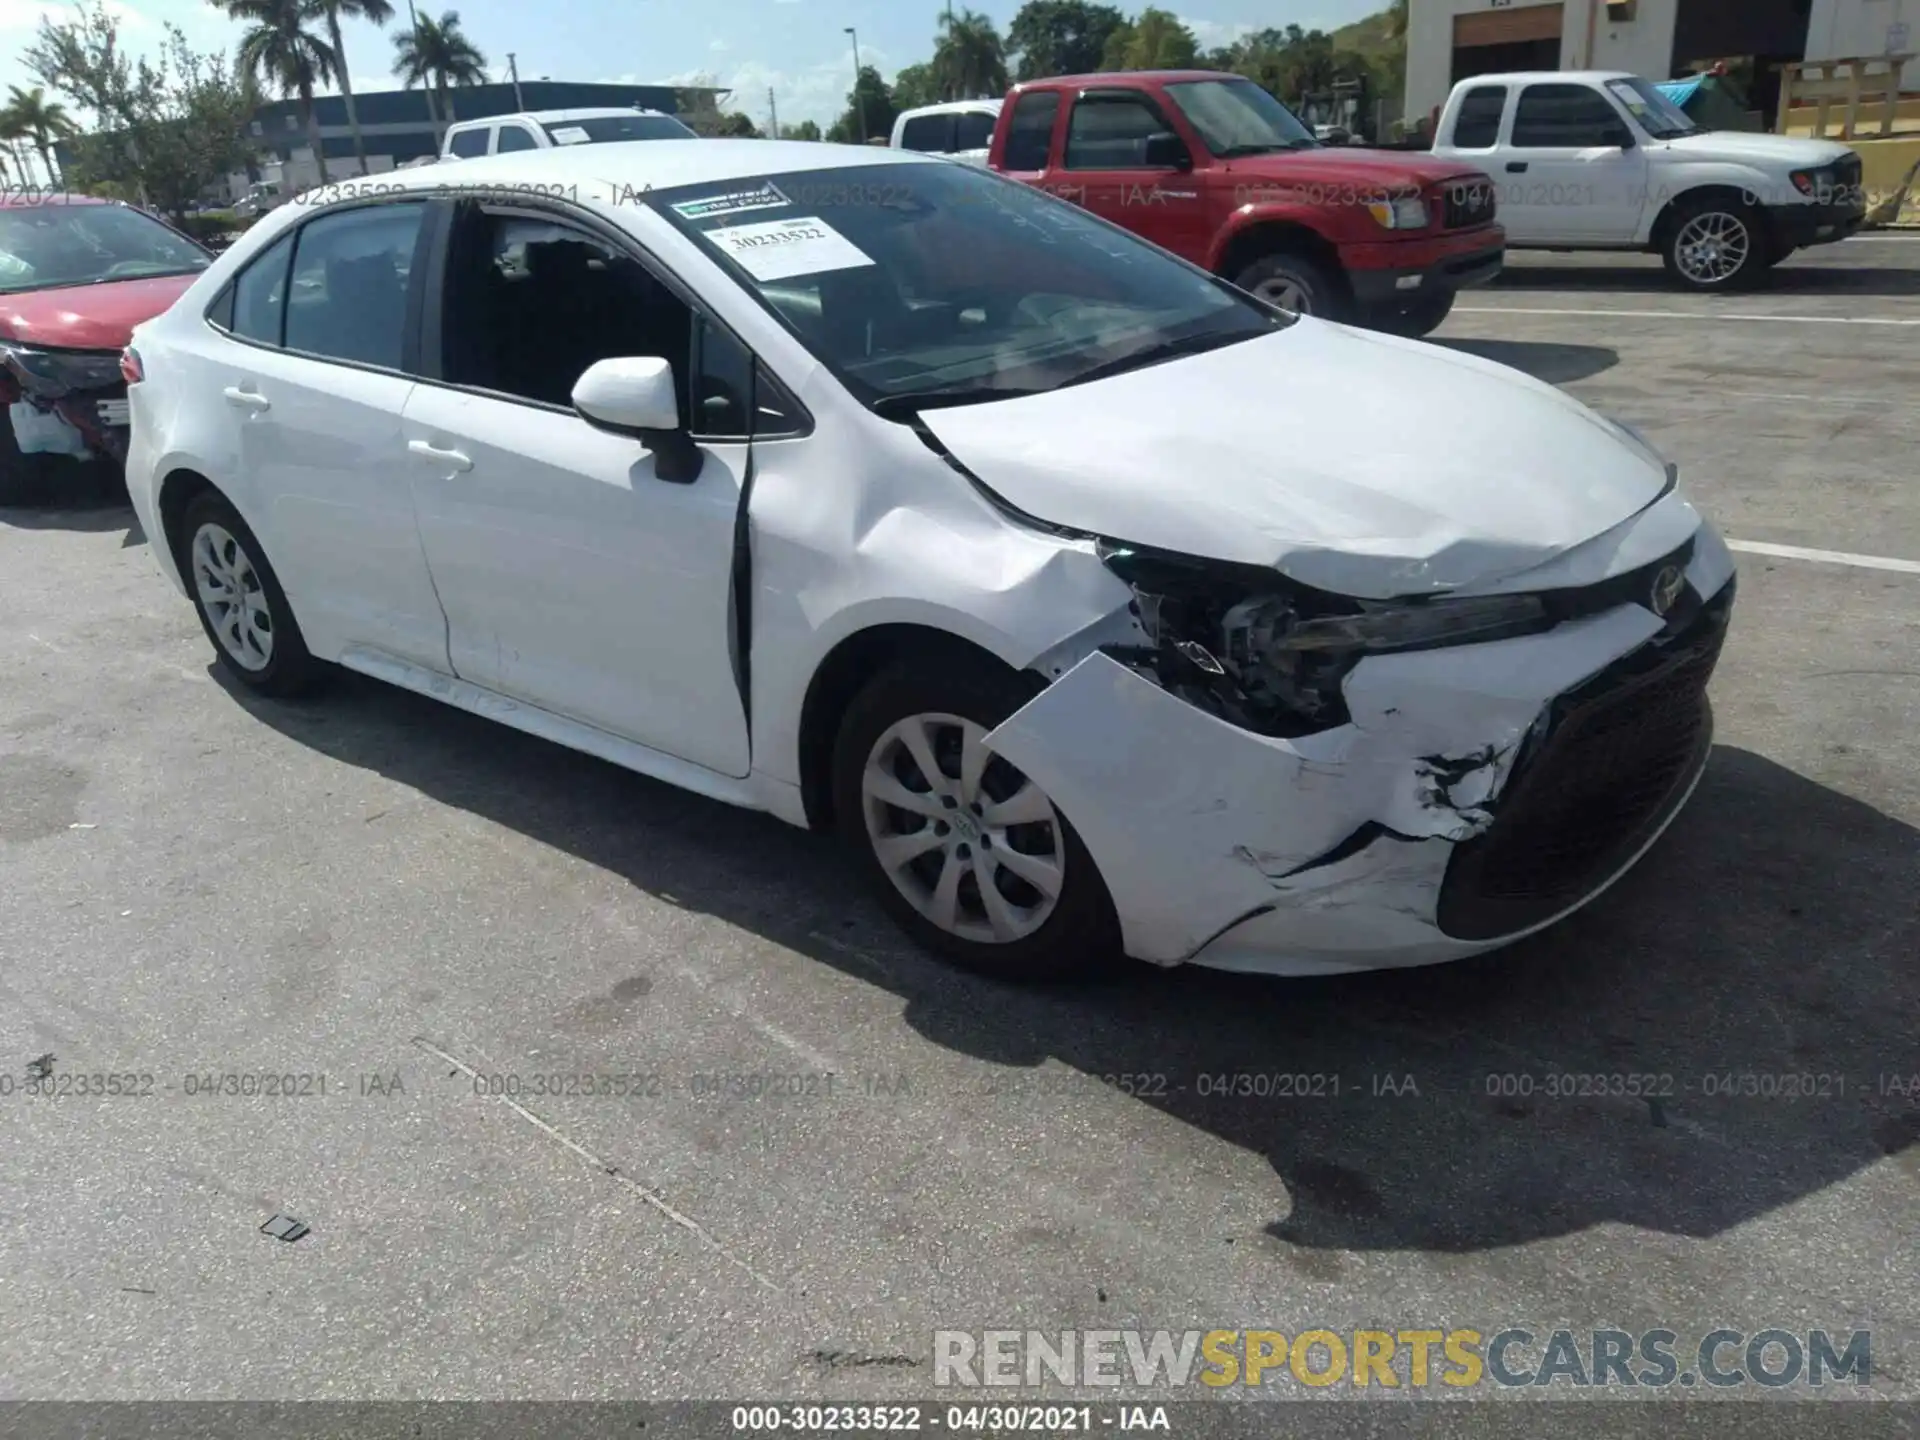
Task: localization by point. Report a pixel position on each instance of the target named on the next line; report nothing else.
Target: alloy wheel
(968, 840)
(1712, 247)
(230, 592)
(1286, 293)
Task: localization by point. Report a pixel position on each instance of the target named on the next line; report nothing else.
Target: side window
(1111, 133)
(220, 312)
(469, 143)
(1565, 117)
(260, 295)
(348, 298)
(1030, 131)
(931, 134)
(776, 413)
(533, 302)
(975, 131)
(514, 137)
(1477, 127)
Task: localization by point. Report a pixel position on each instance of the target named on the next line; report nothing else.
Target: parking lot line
(1826, 557)
(1678, 315)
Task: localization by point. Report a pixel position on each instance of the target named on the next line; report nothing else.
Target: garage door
(1509, 25)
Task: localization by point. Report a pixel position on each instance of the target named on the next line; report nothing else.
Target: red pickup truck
(1213, 168)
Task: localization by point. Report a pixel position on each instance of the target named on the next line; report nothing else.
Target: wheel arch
(1274, 235)
(178, 489)
(1738, 196)
(839, 677)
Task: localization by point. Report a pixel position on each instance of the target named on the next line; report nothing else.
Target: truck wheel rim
(1711, 248)
(230, 593)
(1287, 293)
(971, 843)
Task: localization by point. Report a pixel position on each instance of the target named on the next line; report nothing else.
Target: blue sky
(796, 46)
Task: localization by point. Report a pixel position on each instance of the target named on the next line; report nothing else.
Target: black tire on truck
(1294, 282)
(1714, 243)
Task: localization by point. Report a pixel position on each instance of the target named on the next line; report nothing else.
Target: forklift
(1342, 114)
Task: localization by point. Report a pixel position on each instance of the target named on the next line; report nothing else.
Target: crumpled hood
(1354, 462)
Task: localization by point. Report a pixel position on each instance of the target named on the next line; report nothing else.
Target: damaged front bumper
(1476, 793)
(70, 404)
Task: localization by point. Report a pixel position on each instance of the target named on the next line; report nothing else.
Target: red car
(1213, 168)
(76, 275)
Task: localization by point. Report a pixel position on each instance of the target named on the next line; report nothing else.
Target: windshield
(59, 243)
(1658, 115)
(942, 284)
(1237, 117)
(601, 128)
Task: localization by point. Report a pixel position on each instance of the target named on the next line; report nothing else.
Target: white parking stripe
(1677, 315)
(1826, 557)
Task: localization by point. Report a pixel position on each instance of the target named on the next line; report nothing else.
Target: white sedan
(1100, 607)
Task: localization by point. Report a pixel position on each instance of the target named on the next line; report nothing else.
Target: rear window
(601, 129)
(974, 131)
(1478, 125)
(929, 134)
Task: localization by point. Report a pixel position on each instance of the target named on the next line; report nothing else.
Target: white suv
(545, 129)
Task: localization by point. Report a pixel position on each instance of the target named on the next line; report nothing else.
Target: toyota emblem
(1667, 586)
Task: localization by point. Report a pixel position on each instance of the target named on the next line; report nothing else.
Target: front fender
(1296, 214)
(1672, 184)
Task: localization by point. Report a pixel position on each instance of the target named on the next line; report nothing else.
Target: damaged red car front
(76, 275)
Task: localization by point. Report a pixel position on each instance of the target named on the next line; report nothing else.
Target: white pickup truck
(1600, 160)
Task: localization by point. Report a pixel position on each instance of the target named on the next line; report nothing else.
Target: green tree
(915, 86)
(163, 130)
(969, 58)
(436, 54)
(284, 54)
(805, 130)
(377, 12)
(1156, 40)
(30, 117)
(738, 126)
(871, 99)
(1061, 37)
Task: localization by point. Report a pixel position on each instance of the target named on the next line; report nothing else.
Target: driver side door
(1104, 166)
(1573, 169)
(574, 577)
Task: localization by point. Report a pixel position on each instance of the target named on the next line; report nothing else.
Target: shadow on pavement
(1556, 364)
(1771, 934)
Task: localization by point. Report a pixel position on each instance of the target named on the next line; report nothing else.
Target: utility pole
(513, 69)
(859, 95)
(773, 115)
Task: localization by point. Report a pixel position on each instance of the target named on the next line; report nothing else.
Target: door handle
(247, 399)
(1516, 167)
(452, 458)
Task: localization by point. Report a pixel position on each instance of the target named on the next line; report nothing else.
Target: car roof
(1537, 77)
(28, 200)
(1128, 78)
(953, 107)
(623, 166)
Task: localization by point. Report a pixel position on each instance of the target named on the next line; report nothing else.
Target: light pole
(859, 96)
(513, 69)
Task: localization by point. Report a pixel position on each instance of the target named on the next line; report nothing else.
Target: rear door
(1571, 170)
(314, 369)
(1105, 159)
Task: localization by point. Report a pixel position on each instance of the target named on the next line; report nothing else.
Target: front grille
(1616, 757)
(1468, 203)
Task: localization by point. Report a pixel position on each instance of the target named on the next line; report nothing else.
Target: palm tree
(438, 54)
(30, 116)
(377, 12)
(280, 49)
(969, 58)
(1397, 20)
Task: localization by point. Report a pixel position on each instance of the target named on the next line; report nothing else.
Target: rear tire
(1419, 319)
(1293, 282)
(1044, 917)
(239, 600)
(1715, 245)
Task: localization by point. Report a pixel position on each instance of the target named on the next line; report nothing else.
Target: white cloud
(719, 45)
(814, 92)
(1212, 34)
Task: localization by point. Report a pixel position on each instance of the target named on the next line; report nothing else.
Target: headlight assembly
(1408, 213)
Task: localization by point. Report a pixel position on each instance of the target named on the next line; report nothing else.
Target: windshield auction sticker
(782, 249)
(570, 135)
(710, 207)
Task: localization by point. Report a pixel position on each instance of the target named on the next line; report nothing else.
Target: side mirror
(1167, 151)
(634, 395)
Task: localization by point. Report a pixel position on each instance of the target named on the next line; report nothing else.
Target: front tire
(1293, 282)
(968, 855)
(1715, 245)
(239, 600)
